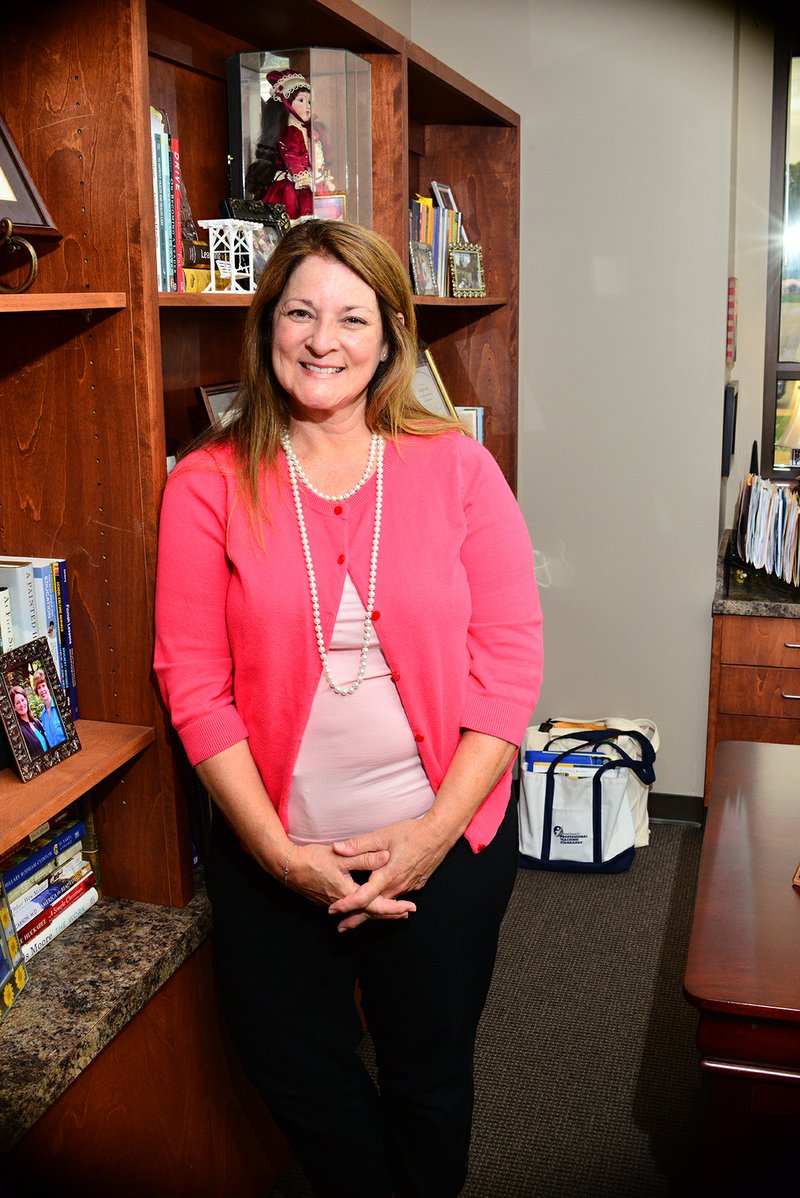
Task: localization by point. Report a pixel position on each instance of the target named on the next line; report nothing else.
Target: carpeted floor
(587, 1081)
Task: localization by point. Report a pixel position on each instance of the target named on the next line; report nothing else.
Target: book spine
(6, 625)
(27, 931)
(164, 218)
(72, 681)
(18, 871)
(62, 921)
(21, 591)
(17, 893)
(177, 238)
(48, 614)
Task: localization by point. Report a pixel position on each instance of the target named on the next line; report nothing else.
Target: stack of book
(34, 601)
(50, 880)
(439, 227)
(13, 974)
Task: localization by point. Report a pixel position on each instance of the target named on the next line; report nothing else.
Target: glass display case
(300, 131)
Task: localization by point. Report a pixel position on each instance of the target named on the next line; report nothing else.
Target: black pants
(287, 979)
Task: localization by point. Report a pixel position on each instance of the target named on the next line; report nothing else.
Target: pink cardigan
(460, 622)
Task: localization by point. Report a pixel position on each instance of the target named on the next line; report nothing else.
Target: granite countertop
(746, 591)
(82, 989)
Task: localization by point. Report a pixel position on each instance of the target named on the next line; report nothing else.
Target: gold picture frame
(429, 390)
(466, 270)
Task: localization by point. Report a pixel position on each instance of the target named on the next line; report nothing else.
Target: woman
(32, 731)
(49, 718)
(290, 165)
(361, 661)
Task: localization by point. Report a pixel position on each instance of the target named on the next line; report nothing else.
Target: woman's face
(20, 704)
(301, 103)
(327, 339)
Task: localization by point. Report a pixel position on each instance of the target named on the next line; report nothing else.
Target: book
(196, 254)
(175, 165)
(19, 866)
(45, 871)
(195, 279)
(6, 626)
(13, 974)
(17, 574)
(42, 919)
(156, 126)
(64, 617)
(47, 611)
(74, 911)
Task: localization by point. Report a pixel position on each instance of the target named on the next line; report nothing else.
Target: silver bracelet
(286, 865)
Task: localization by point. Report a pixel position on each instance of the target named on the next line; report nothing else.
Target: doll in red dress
(290, 164)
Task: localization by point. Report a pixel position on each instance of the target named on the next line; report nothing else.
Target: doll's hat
(285, 83)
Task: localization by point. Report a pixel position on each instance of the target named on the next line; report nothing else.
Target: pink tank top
(358, 767)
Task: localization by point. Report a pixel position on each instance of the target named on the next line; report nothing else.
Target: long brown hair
(261, 408)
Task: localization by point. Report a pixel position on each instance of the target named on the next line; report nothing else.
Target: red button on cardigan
(340, 559)
(376, 615)
(337, 511)
(419, 737)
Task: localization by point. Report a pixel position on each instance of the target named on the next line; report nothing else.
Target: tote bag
(574, 812)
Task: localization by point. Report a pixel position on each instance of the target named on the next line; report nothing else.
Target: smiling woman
(362, 660)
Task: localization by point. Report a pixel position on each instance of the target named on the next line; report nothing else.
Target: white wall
(627, 140)
(753, 134)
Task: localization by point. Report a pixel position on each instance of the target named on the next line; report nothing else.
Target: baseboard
(678, 809)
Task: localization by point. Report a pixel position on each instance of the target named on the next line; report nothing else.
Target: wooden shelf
(64, 301)
(205, 299)
(104, 748)
(451, 301)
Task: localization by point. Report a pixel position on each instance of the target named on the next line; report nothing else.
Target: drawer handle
(783, 696)
(789, 645)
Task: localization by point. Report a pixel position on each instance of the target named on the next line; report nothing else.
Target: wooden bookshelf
(99, 378)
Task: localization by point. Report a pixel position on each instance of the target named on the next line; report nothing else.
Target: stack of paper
(767, 528)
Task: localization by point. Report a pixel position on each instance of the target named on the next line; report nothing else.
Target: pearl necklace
(291, 458)
(377, 447)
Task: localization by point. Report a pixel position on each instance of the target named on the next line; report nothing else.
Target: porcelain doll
(282, 171)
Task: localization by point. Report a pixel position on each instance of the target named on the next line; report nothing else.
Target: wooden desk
(743, 967)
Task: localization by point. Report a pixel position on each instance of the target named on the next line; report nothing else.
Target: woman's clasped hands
(409, 850)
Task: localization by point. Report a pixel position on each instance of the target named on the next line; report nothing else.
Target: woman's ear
(401, 318)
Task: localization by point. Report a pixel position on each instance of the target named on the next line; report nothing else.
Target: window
(780, 439)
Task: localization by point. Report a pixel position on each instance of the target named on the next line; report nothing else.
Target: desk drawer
(761, 641)
(745, 690)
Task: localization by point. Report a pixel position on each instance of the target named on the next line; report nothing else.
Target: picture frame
(443, 195)
(466, 270)
(331, 207)
(24, 672)
(274, 222)
(20, 202)
(217, 401)
(429, 390)
(423, 271)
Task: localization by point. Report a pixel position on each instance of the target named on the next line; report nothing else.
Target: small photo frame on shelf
(429, 390)
(217, 402)
(331, 207)
(34, 710)
(443, 196)
(466, 270)
(272, 218)
(423, 272)
(19, 199)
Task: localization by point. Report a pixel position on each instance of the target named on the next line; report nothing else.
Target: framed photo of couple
(34, 709)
